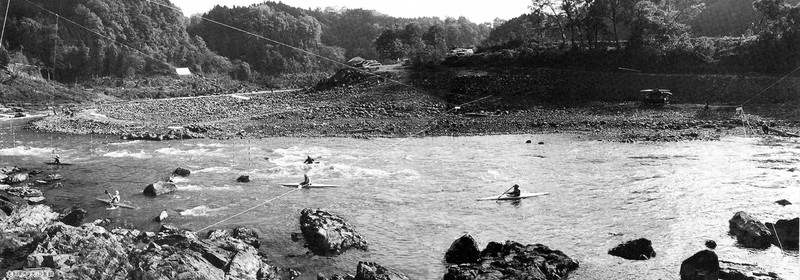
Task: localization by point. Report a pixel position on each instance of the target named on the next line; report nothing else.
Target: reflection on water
(412, 200)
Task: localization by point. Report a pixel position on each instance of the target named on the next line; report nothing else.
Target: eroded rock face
(749, 232)
(639, 249)
(246, 235)
(373, 271)
(73, 216)
(327, 234)
(785, 233)
(744, 271)
(463, 250)
(513, 260)
(89, 250)
(703, 265)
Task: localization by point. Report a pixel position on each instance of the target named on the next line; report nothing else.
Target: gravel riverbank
(353, 105)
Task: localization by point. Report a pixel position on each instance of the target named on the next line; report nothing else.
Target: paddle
(498, 197)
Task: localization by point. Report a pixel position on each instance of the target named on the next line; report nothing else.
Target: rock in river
(180, 171)
(785, 233)
(243, 179)
(463, 250)
(327, 234)
(703, 265)
(159, 188)
(639, 249)
(513, 260)
(743, 271)
(73, 216)
(749, 232)
(373, 271)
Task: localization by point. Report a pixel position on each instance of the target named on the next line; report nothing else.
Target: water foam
(190, 187)
(178, 179)
(215, 169)
(26, 151)
(125, 143)
(192, 152)
(201, 210)
(125, 153)
(296, 155)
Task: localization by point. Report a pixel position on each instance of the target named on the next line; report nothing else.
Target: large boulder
(743, 271)
(246, 235)
(639, 249)
(243, 179)
(373, 271)
(703, 265)
(73, 216)
(513, 260)
(749, 232)
(463, 250)
(17, 178)
(180, 171)
(159, 188)
(327, 234)
(89, 250)
(10, 204)
(10, 169)
(785, 233)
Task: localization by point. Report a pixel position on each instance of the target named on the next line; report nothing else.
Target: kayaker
(114, 198)
(514, 192)
(309, 160)
(305, 181)
(56, 159)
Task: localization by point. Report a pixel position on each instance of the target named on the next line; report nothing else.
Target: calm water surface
(411, 198)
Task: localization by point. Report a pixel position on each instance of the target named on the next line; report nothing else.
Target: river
(412, 197)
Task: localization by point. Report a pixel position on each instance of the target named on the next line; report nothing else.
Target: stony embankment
(35, 238)
(349, 106)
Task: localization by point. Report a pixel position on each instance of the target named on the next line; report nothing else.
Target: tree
(4, 58)
(548, 9)
(662, 24)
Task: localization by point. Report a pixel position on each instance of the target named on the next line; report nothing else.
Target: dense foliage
(105, 38)
(430, 40)
(276, 25)
(648, 35)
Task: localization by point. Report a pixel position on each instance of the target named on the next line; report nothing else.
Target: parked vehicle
(656, 97)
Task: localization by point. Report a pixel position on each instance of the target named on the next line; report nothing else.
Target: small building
(183, 71)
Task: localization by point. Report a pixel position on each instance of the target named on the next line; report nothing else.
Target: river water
(411, 198)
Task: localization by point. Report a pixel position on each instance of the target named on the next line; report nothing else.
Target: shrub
(4, 58)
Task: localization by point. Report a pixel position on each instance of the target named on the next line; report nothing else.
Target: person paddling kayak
(305, 181)
(309, 160)
(114, 198)
(56, 159)
(515, 192)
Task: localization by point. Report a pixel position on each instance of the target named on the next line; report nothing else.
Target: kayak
(53, 163)
(108, 201)
(310, 186)
(506, 197)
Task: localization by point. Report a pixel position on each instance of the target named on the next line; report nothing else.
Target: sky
(475, 11)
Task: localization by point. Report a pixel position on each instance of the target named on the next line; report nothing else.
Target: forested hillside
(279, 24)
(91, 38)
(729, 18)
(337, 34)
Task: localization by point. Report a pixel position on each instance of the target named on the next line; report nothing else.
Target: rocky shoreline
(351, 104)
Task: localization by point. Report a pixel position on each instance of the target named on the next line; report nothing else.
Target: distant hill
(93, 38)
(727, 18)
